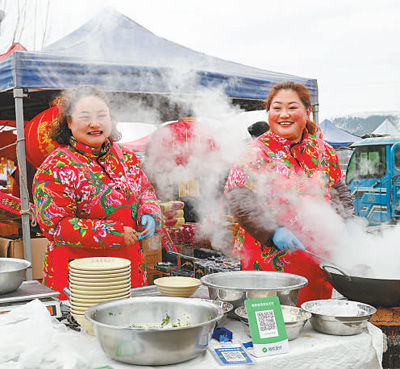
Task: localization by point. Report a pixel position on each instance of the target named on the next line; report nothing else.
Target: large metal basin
(235, 287)
(113, 321)
(12, 273)
(338, 317)
(373, 291)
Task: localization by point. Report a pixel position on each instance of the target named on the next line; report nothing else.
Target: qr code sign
(233, 356)
(266, 323)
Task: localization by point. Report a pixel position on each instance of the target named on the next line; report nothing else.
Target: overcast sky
(350, 46)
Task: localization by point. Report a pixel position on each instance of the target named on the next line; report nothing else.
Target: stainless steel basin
(235, 287)
(130, 330)
(12, 274)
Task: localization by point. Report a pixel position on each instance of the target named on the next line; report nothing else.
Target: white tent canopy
(386, 128)
(336, 136)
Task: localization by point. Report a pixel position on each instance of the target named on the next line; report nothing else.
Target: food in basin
(154, 330)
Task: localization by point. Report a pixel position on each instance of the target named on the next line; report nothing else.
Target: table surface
(31, 331)
(310, 350)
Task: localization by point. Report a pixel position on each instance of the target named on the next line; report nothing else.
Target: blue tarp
(115, 53)
(336, 136)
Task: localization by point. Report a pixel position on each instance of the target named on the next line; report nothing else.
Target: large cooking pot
(376, 292)
(235, 287)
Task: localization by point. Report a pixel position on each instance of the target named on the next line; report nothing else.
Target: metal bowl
(338, 317)
(225, 306)
(235, 287)
(130, 330)
(12, 274)
(294, 318)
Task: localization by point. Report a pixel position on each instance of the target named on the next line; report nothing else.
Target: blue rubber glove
(284, 239)
(149, 225)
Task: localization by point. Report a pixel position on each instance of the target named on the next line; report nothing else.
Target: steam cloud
(349, 245)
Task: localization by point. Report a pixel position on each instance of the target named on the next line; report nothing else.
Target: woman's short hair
(66, 102)
(303, 94)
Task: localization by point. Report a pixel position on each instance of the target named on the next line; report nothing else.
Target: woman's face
(90, 121)
(287, 115)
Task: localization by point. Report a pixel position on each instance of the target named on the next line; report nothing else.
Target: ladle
(325, 260)
(360, 270)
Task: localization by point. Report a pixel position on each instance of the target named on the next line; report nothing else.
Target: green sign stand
(267, 326)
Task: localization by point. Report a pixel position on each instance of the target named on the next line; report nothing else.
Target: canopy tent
(116, 54)
(386, 128)
(14, 47)
(335, 136)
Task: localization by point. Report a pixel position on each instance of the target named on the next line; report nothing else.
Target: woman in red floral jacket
(284, 167)
(91, 196)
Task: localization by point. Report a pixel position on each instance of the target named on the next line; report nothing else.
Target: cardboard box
(15, 249)
(152, 250)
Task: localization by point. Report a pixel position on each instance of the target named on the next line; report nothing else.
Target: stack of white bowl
(96, 280)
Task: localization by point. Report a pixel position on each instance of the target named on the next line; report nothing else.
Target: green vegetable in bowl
(165, 323)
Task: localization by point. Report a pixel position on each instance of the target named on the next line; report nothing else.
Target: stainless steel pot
(376, 292)
(338, 317)
(116, 326)
(235, 287)
(12, 274)
(294, 319)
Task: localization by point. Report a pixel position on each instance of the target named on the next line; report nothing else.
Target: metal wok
(376, 292)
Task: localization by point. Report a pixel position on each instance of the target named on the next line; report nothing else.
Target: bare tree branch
(35, 25)
(16, 24)
(46, 23)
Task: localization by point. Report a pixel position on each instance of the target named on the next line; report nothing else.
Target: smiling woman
(281, 170)
(90, 121)
(91, 196)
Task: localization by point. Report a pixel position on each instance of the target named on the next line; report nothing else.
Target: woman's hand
(284, 239)
(130, 236)
(149, 225)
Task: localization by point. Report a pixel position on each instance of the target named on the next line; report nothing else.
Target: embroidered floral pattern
(283, 170)
(83, 200)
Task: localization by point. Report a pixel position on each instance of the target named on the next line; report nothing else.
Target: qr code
(233, 356)
(266, 323)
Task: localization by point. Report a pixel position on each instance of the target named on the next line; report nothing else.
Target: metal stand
(23, 189)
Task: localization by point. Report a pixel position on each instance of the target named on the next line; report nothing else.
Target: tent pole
(315, 111)
(23, 188)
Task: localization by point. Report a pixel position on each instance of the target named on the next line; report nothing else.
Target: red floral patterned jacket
(287, 173)
(83, 199)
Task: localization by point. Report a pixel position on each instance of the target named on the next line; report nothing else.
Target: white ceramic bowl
(177, 286)
(99, 263)
(79, 280)
(100, 285)
(101, 292)
(83, 322)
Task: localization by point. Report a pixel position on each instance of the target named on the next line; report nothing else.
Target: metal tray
(28, 290)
